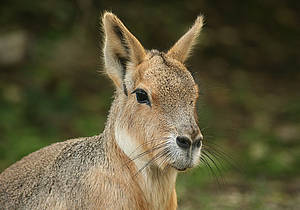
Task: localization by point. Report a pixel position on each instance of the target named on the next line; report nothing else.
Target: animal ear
(182, 48)
(120, 48)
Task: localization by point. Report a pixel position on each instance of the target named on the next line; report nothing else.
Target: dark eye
(142, 96)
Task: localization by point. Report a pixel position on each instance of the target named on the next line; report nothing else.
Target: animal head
(156, 97)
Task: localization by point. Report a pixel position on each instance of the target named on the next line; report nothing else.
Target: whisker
(157, 156)
(218, 148)
(158, 146)
(206, 162)
(210, 170)
(166, 158)
(216, 166)
(147, 142)
(223, 155)
(218, 158)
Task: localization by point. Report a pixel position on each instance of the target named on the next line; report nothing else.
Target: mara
(151, 134)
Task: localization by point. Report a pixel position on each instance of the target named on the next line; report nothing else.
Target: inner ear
(123, 62)
(122, 58)
(122, 39)
(120, 49)
(182, 48)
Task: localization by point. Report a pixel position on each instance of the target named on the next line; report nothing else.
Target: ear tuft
(182, 48)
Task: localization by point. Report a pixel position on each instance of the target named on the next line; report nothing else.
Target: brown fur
(133, 164)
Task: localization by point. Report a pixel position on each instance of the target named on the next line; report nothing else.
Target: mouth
(185, 162)
(179, 159)
(180, 169)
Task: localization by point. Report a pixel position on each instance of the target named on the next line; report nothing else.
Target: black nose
(183, 142)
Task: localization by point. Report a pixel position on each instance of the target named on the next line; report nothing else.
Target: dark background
(247, 65)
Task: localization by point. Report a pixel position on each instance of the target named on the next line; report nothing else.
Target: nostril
(197, 143)
(183, 142)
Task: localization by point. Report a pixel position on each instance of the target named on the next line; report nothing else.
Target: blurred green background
(247, 65)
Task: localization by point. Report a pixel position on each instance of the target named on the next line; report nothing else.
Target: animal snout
(185, 142)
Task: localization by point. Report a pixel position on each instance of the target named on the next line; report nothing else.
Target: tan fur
(183, 46)
(133, 164)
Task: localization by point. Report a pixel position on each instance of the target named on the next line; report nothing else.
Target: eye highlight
(142, 96)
